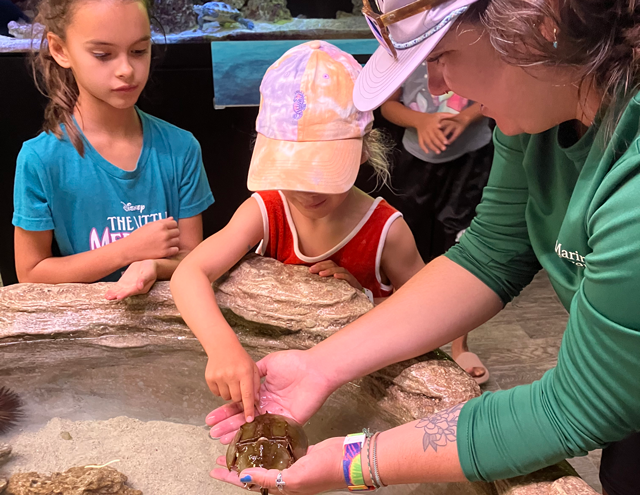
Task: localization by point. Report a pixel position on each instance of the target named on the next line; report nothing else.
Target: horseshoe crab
(270, 441)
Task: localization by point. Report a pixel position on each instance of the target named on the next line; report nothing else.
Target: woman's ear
(549, 30)
(58, 50)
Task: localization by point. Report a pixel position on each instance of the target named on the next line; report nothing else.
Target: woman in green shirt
(561, 80)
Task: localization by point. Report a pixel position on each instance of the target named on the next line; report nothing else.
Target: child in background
(113, 186)
(446, 158)
(310, 145)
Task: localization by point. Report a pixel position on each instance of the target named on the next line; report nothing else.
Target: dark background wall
(181, 92)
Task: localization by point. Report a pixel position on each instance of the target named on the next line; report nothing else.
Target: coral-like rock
(236, 4)
(174, 16)
(74, 481)
(357, 7)
(20, 30)
(267, 10)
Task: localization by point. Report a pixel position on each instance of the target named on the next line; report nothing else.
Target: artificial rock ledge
(271, 307)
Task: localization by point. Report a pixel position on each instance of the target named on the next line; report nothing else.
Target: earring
(555, 38)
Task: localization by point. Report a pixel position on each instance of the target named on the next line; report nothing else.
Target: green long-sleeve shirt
(576, 212)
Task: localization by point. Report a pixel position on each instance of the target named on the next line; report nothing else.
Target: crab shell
(270, 441)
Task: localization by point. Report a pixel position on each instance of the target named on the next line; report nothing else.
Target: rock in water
(175, 16)
(5, 453)
(267, 10)
(25, 31)
(74, 481)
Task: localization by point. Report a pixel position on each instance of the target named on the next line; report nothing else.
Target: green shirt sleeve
(592, 397)
(496, 247)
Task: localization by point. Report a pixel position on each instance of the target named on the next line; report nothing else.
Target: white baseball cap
(413, 38)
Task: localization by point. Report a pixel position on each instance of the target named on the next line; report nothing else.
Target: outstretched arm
(442, 302)
(231, 373)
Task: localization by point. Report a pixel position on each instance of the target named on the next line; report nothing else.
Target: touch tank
(119, 385)
(197, 21)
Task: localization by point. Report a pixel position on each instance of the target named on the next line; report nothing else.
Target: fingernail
(249, 419)
(246, 479)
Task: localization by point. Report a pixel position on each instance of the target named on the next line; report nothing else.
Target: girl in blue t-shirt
(121, 192)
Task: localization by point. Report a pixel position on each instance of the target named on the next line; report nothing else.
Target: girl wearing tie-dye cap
(305, 211)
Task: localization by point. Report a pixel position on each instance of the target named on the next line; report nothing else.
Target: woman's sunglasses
(379, 22)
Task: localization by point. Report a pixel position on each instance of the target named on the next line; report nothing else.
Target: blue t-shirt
(88, 202)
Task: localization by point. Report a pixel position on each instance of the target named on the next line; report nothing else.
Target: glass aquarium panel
(238, 66)
(196, 21)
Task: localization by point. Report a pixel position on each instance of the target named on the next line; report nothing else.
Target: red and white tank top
(360, 252)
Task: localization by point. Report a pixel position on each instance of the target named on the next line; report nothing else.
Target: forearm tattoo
(440, 429)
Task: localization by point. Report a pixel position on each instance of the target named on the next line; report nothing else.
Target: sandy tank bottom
(158, 457)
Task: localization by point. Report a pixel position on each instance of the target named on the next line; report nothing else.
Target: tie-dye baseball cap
(309, 131)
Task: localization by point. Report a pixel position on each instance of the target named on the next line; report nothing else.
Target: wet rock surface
(74, 481)
(5, 452)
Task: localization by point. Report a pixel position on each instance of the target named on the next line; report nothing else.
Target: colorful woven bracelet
(352, 462)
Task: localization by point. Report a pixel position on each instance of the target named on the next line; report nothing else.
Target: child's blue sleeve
(30, 193)
(195, 193)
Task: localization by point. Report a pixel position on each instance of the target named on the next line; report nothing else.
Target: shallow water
(164, 381)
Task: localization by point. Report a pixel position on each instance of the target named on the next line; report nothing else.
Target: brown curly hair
(600, 39)
(55, 82)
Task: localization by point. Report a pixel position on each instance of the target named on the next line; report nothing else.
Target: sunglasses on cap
(379, 22)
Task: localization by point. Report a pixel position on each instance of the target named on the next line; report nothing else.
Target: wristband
(352, 462)
(376, 480)
(370, 436)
